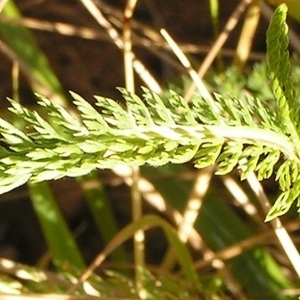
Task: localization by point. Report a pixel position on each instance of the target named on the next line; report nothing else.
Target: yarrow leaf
(247, 133)
(151, 131)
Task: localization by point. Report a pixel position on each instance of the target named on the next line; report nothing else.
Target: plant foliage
(247, 134)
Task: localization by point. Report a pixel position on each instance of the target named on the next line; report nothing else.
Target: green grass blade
(180, 249)
(22, 43)
(146, 223)
(66, 255)
(102, 212)
(214, 14)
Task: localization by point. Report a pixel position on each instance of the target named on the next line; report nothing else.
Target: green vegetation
(239, 125)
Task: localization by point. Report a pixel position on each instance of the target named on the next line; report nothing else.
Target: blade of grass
(102, 212)
(66, 255)
(145, 223)
(214, 15)
(22, 43)
(136, 198)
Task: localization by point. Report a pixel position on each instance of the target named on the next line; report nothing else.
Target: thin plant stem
(191, 212)
(138, 66)
(242, 199)
(127, 46)
(214, 15)
(156, 200)
(136, 199)
(242, 246)
(15, 72)
(230, 25)
(185, 62)
(280, 231)
(246, 37)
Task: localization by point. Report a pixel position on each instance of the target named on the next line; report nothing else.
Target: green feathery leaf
(249, 134)
(288, 107)
(149, 132)
(287, 112)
